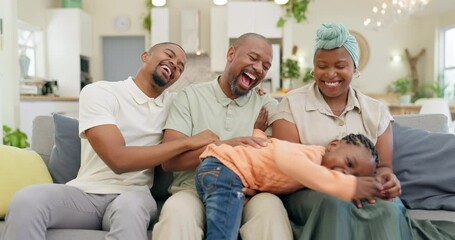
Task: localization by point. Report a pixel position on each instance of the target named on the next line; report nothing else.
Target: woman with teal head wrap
(330, 108)
(335, 35)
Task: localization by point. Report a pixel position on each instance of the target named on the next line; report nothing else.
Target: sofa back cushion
(424, 162)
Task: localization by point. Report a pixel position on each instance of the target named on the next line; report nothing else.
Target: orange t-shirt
(283, 167)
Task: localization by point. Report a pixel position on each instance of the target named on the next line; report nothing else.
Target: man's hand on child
(256, 142)
(202, 139)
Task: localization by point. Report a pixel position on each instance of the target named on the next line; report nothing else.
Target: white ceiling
(438, 6)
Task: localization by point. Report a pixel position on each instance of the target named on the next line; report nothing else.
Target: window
(448, 69)
(30, 46)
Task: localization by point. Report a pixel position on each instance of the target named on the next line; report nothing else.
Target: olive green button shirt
(317, 124)
(204, 106)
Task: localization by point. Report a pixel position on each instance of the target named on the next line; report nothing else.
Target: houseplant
(294, 9)
(289, 71)
(147, 20)
(402, 87)
(307, 76)
(14, 138)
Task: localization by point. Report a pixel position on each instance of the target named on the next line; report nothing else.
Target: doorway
(122, 56)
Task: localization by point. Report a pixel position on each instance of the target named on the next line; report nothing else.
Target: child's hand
(367, 187)
(261, 122)
(390, 183)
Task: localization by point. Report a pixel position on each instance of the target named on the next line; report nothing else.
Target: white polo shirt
(140, 120)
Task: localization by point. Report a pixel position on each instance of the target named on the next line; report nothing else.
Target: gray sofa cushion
(421, 161)
(65, 157)
(43, 136)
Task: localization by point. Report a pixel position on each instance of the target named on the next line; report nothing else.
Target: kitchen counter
(48, 98)
(37, 105)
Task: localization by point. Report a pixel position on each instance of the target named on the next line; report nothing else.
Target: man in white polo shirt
(229, 108)
(121, 126)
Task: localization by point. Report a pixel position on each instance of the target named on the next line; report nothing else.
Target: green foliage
(431, 90)
(14, 138)
(147, 20)
(290, 69)
(294, 9)
(435, 89)
(401, 86)
(307, 76)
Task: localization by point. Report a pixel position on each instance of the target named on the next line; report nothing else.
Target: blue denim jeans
(221, 192)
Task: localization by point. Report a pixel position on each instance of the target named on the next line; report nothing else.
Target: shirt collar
(224, 100)
(140, 97)
(316, 100)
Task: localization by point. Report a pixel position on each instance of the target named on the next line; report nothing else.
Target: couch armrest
(43, 136)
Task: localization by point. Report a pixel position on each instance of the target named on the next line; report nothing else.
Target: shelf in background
(47, 98)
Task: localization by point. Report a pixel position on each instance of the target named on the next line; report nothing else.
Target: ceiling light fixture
(220, 2)
(281, 2)
(391, 10)
(158, 3)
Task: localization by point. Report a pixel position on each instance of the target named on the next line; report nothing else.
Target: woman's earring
(356, 73)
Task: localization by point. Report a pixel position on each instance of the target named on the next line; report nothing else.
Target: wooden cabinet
(69, 37)
(160, 25)
(219, 39)
(231, 21)
(32, 106)
(258, 17)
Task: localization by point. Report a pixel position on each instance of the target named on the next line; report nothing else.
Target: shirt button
(340, 122)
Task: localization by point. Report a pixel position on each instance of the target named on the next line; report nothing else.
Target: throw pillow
(424, 162)
(19, 168)
(65, 157)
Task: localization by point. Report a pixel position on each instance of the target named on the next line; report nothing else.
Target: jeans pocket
(207, 175)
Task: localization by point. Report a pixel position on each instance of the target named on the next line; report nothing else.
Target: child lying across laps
(343, 169)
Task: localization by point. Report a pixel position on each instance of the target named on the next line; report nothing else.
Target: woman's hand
(367, 188)
(261, 122)
(390, 183)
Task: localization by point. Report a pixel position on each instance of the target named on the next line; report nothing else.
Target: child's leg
(221, 192)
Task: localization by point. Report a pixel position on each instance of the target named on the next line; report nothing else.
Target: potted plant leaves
(402, 87)
(289, 71)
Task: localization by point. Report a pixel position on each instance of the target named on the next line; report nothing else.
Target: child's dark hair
(358, 139)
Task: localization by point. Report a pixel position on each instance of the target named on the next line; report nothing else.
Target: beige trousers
(182, 218)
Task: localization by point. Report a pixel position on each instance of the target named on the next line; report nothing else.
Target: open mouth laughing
(247, 80)
(167, 71)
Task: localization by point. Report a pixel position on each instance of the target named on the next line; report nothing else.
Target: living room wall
(414, 33)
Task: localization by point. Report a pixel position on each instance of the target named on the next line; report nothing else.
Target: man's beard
(236, 91)
(158, 80)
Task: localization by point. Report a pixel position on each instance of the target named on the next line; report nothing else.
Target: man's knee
(132, 203)
(184, 204)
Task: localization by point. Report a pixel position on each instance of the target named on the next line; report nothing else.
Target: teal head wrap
(330, 36)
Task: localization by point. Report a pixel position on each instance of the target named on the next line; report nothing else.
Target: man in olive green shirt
(228, 107)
